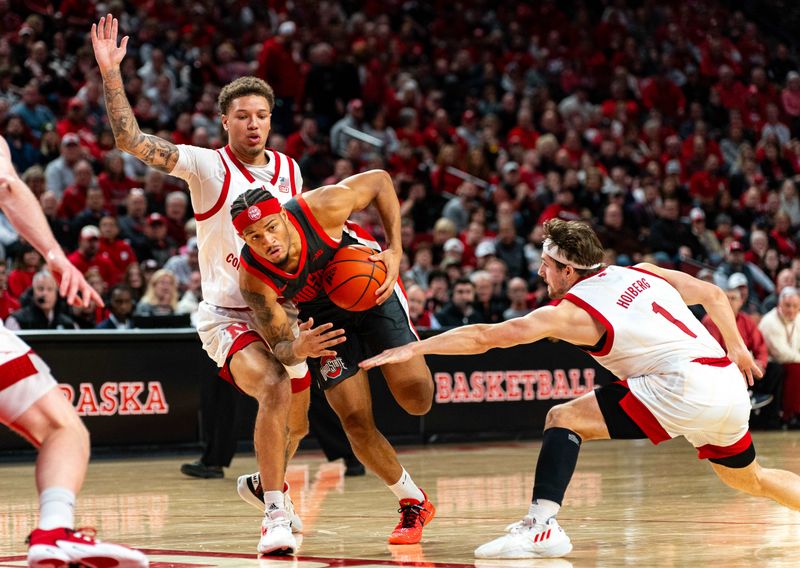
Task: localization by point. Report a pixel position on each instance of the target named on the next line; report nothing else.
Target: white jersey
(649, 328)
(673, 366)
(216, 178)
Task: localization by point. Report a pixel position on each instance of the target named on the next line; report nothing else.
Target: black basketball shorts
(368, 333)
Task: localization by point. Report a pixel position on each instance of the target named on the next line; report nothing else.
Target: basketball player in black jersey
(285, 253)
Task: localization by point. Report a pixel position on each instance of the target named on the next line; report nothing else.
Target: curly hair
(242, 87)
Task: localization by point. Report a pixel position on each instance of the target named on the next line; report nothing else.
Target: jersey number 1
(674, 321)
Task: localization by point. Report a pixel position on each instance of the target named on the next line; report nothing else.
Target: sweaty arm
(271, 320)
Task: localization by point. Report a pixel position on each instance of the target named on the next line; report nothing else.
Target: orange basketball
(351, 278)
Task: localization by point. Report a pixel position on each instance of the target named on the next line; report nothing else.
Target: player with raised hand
(216, 178)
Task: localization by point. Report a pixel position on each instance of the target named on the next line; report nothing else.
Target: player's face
(557, 280)
(269, 238)
(248, 124)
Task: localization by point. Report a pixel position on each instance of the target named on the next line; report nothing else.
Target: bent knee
(298, 431)
(358, 424)
(418, 407)
(560, 416)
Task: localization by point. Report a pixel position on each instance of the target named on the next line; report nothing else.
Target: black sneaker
(199, 469)
(759, 400)
(353, 467)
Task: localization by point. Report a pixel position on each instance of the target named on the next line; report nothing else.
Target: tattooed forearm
(152, 150)
(272, 323)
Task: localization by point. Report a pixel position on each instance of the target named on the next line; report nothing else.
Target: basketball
(351, 278)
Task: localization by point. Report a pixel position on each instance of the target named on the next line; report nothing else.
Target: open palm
(104, 43)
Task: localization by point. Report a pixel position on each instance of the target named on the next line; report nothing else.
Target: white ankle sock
(542, 509)
(405, 488)
(56, 508)
(273, 499)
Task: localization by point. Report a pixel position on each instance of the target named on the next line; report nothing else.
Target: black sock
(556, 464)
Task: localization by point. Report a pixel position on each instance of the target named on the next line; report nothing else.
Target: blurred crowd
(672, 127)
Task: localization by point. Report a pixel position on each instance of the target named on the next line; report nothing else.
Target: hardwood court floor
(630, 504)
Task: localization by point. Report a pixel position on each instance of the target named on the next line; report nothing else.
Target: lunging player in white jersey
(676, 380)
(32, 405)
(216, 179)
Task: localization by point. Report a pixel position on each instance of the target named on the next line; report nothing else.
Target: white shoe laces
(526, 524)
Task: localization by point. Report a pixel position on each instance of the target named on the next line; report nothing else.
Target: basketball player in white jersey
(675, 379)
(32, 405)
(216, 179)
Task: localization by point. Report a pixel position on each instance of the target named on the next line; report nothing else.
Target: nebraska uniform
(216, 178)
(24, 377)
(681, 382)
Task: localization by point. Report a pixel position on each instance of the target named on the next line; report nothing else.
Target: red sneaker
(413, 517)
(65, 547)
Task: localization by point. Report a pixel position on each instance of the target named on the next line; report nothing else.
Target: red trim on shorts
(315, 224)
(644, 419)
(13, 371)
(592, 311)
(223, 195)
(713, 361)
(719, 452)
(239, 343)
(301, 384)
(25, 433)
(239, 165)
(648, 272)
(277, 159)
(292, 181)
(405, 308)
(245, 339)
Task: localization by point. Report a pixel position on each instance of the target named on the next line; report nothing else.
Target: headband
(552, 250)
(255, 212)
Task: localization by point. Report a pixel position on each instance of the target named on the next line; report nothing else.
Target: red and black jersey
(304, 286)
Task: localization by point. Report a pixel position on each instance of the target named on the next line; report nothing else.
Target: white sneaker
(276, 534)
(67, 547)
(528, 538)
(249, 489)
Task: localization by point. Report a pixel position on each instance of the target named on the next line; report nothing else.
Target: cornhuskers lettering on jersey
(632, 292)
(304, 286)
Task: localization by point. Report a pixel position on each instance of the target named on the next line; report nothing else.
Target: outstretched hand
(395, 355)
(743, 359)
(73, 285)
(392, 261)
(104, 42)
(317, 341)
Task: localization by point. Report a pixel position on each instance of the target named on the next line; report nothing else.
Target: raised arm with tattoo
(274, 326)
(152, 150)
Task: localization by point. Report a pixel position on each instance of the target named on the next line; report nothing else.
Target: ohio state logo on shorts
(331, 367)
(254, 213)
